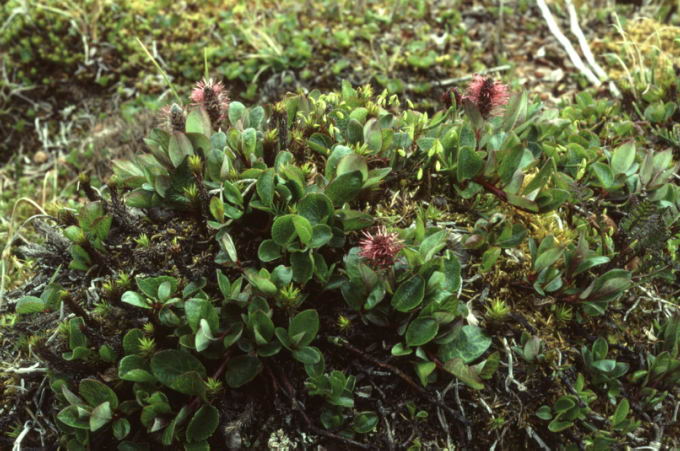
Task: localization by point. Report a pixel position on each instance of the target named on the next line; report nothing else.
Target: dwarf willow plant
(272, 202)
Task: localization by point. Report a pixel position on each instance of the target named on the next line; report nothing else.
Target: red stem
(499, 193)
(193, 405)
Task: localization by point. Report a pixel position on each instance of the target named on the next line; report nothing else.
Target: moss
(647, 54)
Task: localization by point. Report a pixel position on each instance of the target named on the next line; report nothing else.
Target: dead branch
(566, 44)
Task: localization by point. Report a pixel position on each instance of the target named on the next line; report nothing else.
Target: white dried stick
(566, 44)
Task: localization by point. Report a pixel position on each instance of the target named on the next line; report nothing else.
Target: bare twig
(499, 193)
(338, 341)
(78, 310)
(585, 48)
(486, 406)
(625, 316)
(468, 429)
(453, 81)
(442, 418)
(343, 343)
(566, 44)
(445, 427)
(583, 43)
(289, 391)
(663, 304)
(388, 427)
(35, 368)
(531, 433)
(511, 377)
(17, 442)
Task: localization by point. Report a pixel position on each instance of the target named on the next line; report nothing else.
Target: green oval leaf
(468, 344)
(345, 187)
(265, 187)
(179, 147)
(100, 416)
(321, 235)
(623, 158)
(463, 372)
(421, 330)
(306, 323)
(364, 422)
(96, 392)
(469, 163)
(316, 207)
(355, 131)
(268, 251)
(544, 413)
(178, 370)
(353, 162)
(149, 285)
(136, 299)
(409, 295)
(29, 304)
(70, 416)
(606, 366)
(241, 370)
(203, 424)
(303, 266)
(308, 355)
(547, 258)
(336, 155)
(121, 428)
(303, 229)
(217, 209)
(134, 368)
(198, 122)
(283, 230)
(556, 425)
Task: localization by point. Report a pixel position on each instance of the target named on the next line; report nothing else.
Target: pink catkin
(381, 248)
(197, 94)
(487, 95)
(213, 97)
(474, 88)
(174, 116)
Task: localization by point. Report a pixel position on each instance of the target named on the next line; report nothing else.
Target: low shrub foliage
(253, 252)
